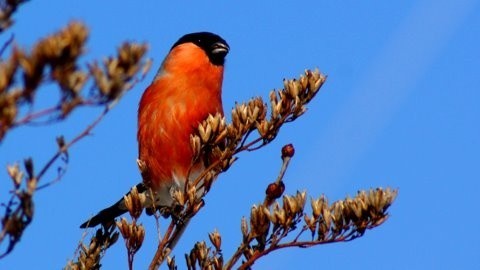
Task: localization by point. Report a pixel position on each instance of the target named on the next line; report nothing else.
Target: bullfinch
(186, 89)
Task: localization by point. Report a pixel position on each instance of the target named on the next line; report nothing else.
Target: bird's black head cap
(215, 46)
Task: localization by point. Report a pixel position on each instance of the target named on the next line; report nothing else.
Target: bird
(186, 89)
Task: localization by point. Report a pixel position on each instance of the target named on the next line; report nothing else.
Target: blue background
(399, 109)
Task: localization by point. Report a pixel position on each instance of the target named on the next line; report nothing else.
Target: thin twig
(161, 253)
(62, 150)
(235, 257)
(245, 137)
(6, 45)
(304, 229)
(31, 116)
(59, 177)
(7, 207)
(303, 244)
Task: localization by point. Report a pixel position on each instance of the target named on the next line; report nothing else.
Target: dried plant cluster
(132, 233)
(269, 228)
(89, 256)
(274, 225)
(7, 8)
(54, 59)
(202, 255)
(222, 141)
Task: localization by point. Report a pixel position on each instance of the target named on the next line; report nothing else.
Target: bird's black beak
(220, 48)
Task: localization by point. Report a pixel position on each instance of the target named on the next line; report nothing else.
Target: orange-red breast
(186, 89)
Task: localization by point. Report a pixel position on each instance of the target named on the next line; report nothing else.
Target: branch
(55, 59)
(59, 54)
(6, 45)
(271, 224)
(63, 147)
(224, 142)
(89, 256)
(341, 221)
(7, 8)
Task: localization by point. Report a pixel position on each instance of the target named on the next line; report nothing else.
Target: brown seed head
(275, 190)
(216, 239)
(288, 151)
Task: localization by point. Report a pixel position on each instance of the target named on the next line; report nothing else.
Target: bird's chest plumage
(169, 113)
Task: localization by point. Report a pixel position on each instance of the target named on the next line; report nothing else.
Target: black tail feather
(110, 213)
(105, 216)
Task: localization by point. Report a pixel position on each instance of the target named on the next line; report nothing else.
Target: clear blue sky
(400, 108)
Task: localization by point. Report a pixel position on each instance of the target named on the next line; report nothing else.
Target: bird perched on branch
(186, 89)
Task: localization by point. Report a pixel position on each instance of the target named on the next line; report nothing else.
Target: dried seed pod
(196, 145)
(244, 228)
(15, 174)
(300, 198)
(279, 216)
(318, 206)
(134, 202)
(275, 190)
(191, 193)
(311, 223)
(288, 151)
(259, 220)
(215, 239)
(205, 131)
(124, 228)
(179, 197)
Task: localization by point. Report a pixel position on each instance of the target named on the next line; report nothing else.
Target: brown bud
(310, 222)
(279, 215)
(178, 196)
(171, 263)
(275, 190)
(216, 239)
(124, 228)
(28, 163)
(201, 251)
(195, 144)
(191, 193)
(288, 151)
(198, 206)
(244, 227)
(134, 202)
(15, 174)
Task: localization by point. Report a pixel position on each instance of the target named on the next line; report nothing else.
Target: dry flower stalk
(204, 257)
(341, 221)
(268, 227)
(271, 222)
(276, 189)
(7, 8)
(89, 256)
(133, 235)
(19, 210)
(134, 202)
(54, 59)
